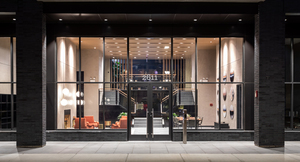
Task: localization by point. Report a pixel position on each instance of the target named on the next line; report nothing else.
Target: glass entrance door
(149, 111)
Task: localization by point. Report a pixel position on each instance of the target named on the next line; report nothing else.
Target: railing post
(184, 133)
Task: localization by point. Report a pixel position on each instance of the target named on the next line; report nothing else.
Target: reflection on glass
(288, 61)
(208, 106)
(5, 59)
(115, 59)
(288, 106)
(67, 112)
(14, 60)
(184, 98)
(296, 60)
(184, 59)
(231, 60)
(92, 59)
(115, 112)
(231, 106)
(5, 106)
(150, 60)
(67, 59)
(207, 62)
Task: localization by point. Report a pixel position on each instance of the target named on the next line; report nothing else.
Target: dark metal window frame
(196, 83)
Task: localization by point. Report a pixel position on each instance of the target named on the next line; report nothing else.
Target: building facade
(125, 70)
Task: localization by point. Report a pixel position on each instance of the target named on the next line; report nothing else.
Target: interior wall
(92, 65)
(206, 62)
(66, 71)
(5, 68)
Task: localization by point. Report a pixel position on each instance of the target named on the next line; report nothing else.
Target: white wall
(66, 72)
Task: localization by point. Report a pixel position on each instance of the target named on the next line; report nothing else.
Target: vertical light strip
(220, 50)
(170, 93)
(103, 97)
(79, 81)
(12, 82)
(292, 87)
(243, 83)
(196, 85)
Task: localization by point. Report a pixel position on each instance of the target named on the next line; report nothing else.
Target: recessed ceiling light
(165, 54)
(195, 19)
(146, 51)
(139, 51)
(105, 19)
(189, 47)
(181, 57)
(94, 47)
(178, 47)
(192, 43)
(159, 43)
(150, 19)
(182, 54)
(147, 46)
(184, 51)
(116, 43)
(119, 51)
(136, 38)
(157, 51)
(125, 38)
(156, 54)
(137, 47)
(210, 42)
(158, 47)
(157, 57)
(114, 38)
(176, 51)
(148, 38)
(14, 19)
(118, 47)
(214, 38)
(110, 51)
(167, 47)
(111, 54)
(160, 38)
(181, 43)
(135, 57)
(148, 43)
(130, 54)
(240, 19)
(60, 19)
(81, 41)
(139, 54)
(166, 51)
(113, 57)
(183, 38)
(120, 54)
(285, 19)
(137, 43)
(174, 54)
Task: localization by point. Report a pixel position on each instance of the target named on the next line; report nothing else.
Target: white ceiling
(241, 1)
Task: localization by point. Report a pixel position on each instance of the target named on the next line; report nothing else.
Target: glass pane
(5, 57)
(184, 59)
(138, 108)
(231, 106)
(296, 111)
(15, 58)
(115, 59)
(90, 95)
(67, 106)
(184, 98)
(161, 107)
(208, 106)
(92, 59)
(231, 59)
(67, 59)
(150, 60)
(5, 106)
(288, 106)
(207, 62)
(288, 61)
(15, 105)
(297, 59)
(115, 100)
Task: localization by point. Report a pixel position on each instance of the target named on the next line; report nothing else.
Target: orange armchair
(121, 124)
(84, 124)
(91, 122)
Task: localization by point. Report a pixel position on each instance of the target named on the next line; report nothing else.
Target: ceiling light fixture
(178, 47)
(111, 54)
(139, 54)
(156, 54)
(120, 54)
(150, 20)
(116, 43)
(60, 19)
(184, 51)
(159, 43)
(285, 19)
(113, 57)
(119, 51)
(135, 57)
(158, 47)
(189, 47)
(167, 47)
(181, 57)
(136, 38)
(181, 43)
(157, 57)
(183, 38)
(148, 43)
(118, 47)
(94, 47)
(114, 38)
(160, 38)
(105, 19)
(14, 19)
(240, 19)
(148, 38)
(110, 51)
(137, 47)
(195, 19)
(210, 42)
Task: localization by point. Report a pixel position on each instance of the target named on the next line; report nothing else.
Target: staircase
(185, 98)
(142, 122)
(111, 98)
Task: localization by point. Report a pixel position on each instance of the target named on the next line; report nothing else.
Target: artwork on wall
(224, 94)
(231, 93)
(231, 111)
(224, 111)
(225, 77)
(231, 75)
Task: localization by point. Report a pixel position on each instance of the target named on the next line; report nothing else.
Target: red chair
(91, 122)
(84, 124)
(121, 124)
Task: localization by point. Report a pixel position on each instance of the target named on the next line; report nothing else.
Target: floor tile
(154, 158)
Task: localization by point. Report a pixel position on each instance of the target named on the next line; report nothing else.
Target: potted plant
(122, 114)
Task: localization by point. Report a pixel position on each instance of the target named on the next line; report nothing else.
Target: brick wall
(31, 74)
(269, 74)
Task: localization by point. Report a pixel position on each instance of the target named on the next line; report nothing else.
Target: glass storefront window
(288, 112)
(207, 62)
(150, 60)
(231, 106)
(67, 59)
(288, 60)
(296, 107)
(115, 59)
(184, 59)
(231, 60)
(92, 59)
(5, 59)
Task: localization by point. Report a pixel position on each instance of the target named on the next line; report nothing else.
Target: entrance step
(142, 122)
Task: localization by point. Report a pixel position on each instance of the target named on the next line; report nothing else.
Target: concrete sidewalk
(150, 151)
